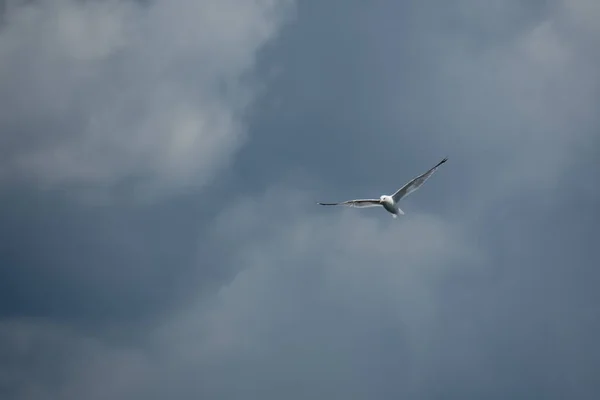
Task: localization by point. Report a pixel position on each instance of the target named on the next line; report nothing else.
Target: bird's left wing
(362, 203)
(415, 183)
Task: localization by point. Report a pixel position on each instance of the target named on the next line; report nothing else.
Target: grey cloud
(124, 91)
(259, 331)
(84, 86)
(485, 289)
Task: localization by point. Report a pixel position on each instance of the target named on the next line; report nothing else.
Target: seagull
(390, 203)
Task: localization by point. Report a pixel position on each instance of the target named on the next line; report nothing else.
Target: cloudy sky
(159, 166)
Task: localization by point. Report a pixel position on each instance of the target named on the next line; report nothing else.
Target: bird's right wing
(415, 183)
(361, 203)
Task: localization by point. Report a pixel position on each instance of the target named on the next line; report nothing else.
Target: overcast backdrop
(159, 166)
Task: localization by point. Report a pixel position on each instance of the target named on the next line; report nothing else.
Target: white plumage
(390, 203)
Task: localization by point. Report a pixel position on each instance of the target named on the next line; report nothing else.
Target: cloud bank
(243, 287)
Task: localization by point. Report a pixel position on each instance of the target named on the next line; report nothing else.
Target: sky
(160, 163)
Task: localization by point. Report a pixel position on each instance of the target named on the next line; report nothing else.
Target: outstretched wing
(362, 203)
(415, 183)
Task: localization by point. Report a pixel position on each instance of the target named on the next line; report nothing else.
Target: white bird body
(390, 203)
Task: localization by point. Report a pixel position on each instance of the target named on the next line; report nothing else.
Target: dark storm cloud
(244, 288)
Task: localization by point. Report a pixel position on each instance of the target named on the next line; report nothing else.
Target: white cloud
(585, 14)
(522, 107)
(313, 287)
(99, 92)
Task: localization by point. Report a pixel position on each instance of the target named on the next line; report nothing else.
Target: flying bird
(390, 203)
